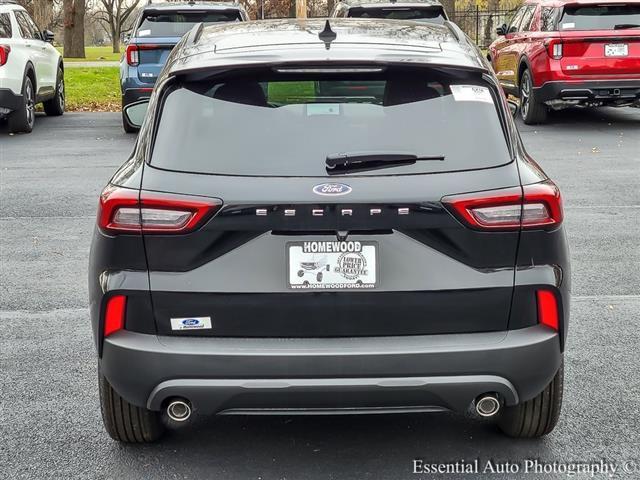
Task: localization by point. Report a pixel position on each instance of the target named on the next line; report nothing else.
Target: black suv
(268, 249)
(430, 11)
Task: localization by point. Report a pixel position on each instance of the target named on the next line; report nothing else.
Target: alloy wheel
(61, 99)
(525, 92)
(30, 103)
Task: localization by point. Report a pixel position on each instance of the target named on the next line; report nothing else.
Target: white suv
(31, 69)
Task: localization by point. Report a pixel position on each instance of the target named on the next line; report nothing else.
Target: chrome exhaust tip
(487, 405)
(179, 410)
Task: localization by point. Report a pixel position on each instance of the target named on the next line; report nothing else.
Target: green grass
(286, 92)
(96, 54)
(92, 89)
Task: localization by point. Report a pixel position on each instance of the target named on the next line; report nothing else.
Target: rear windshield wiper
(358, 162)
(622, 26)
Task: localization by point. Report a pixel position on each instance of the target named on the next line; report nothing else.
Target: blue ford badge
(190, 322)
(332, 189)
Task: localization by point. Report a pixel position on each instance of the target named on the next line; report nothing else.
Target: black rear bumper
(608, 91)
(383, 374)
(10, 100)
(132, 95)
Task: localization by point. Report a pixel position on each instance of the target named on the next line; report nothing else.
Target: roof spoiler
(197, 29)
(455, 29)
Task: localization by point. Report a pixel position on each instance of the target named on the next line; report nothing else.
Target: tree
(74, 11)
(43, 13)
(46, 13)
(113, 14)
(301, 8)
(330, 5)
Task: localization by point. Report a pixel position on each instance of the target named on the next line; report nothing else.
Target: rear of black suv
(270, 249)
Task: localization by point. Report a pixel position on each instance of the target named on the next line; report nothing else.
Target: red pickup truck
(560, 53)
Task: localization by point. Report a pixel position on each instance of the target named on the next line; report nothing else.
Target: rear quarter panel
(12, 73)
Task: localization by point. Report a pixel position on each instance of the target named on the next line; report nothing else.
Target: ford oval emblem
(333, 189)
(190, 322)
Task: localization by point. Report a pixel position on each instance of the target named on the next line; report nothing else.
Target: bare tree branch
(113, 15)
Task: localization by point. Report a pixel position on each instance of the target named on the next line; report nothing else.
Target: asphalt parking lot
(49, 414)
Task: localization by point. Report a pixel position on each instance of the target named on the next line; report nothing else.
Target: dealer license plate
(332, 265)
(616, 50)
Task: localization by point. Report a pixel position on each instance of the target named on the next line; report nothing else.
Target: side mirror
(513, 107)
(502, 30)
(47, 36)
(135, 112)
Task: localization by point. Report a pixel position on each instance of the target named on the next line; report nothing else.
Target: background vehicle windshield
(600, 17)
(281, 127)
(176, 24)
(432, 15)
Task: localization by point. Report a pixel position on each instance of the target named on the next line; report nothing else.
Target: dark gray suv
(430, 11)
(270, 249)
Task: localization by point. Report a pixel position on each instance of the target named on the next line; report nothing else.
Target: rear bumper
(132, 95)
(316, 375)
(9, 100)
(608, 91)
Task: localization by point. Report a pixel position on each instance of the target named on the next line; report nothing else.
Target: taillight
(114, 314)
(133, 52)
(547, 309)
(133, 55)
(554, 48)
(4, 54)
(124, 210)
(532, 206)
(542, 206)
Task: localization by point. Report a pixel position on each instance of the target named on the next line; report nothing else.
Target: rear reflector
(114, 314)
(532, 206)
(547, 309)
(129, 211)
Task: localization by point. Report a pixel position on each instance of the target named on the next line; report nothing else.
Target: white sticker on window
(191, 323)
(323, 109)
(144, 33)
(471, 93)
(568, 25)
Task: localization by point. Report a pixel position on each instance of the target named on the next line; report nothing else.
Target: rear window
(601, 17)
(431, 15)
(5, 26)
(176, 24)
(276, 125)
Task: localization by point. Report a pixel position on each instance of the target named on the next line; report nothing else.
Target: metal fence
(481, 24)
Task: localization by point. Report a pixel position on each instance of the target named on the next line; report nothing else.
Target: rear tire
(22, 119)
(125, 422)
(532, 111)
(538, 416)
(55, 106)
